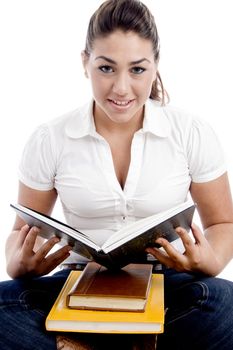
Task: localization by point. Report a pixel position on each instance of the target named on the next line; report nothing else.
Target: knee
(10, 292)
(207, 293)
(220, 293)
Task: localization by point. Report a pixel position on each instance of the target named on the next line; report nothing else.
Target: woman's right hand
(23, 259)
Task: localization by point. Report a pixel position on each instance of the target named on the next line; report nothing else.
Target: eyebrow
(114, 62)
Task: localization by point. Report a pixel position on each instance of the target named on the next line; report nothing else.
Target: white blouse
(172, 149)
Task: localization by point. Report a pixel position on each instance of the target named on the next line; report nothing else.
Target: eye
(106, 69)
(137, 70)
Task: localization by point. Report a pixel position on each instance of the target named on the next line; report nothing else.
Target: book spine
(90, 275)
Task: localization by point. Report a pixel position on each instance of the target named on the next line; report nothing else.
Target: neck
(105, 125)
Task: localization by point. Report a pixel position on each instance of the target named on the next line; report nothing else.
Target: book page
(133, 230)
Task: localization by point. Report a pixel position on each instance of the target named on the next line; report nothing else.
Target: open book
(126, 245)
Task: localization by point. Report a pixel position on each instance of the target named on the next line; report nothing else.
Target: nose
(121, 84)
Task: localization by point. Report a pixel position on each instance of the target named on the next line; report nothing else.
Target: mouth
(120, 103)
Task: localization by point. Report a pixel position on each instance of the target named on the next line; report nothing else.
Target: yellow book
(64, 319)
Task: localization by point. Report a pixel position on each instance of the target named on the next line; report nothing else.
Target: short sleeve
(37, 165)
(205, 155)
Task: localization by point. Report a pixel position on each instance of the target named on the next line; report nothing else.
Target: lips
(121, 103)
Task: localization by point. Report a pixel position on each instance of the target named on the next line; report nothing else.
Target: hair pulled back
(127, 15)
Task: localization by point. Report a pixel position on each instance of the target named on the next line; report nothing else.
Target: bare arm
(214, 203)
(26, 253)
(208, 253)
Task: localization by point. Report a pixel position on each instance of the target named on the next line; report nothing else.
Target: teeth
(121, 103)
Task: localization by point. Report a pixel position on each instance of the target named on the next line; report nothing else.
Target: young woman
(123, 156)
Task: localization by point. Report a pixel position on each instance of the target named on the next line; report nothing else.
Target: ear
(84, 58)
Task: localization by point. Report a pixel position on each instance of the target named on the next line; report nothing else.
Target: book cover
(100, 288)
(124, 246)
(63, 319)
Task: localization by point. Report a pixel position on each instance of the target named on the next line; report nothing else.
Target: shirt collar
(81, 123)
(155, 119)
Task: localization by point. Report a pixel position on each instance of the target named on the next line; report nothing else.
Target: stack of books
(99, 300)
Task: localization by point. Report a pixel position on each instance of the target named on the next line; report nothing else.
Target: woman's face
(121, 69)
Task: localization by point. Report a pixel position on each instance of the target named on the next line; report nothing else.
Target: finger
(30, 239)
(169, 257)
(56, 258)
(197, 233)
(187, 240)
(46, 247)
(22, 234)
(171, 251)
(161, 256)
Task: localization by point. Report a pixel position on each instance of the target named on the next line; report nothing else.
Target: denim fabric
(24, 304)
(199, 312)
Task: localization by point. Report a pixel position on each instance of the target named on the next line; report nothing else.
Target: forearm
(9, 244)
(11, 254)
(220, 238)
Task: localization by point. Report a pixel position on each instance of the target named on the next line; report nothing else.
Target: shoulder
(69, 124)
(180, 117)
(51, 136)
(206, 159)
(169, 119)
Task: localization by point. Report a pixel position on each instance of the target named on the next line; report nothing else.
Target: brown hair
(127, 15)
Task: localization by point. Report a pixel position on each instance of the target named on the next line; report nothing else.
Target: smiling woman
(23, 75)
(123, 65)
(123, 155)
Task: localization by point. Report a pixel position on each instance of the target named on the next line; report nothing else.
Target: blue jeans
(199, 312)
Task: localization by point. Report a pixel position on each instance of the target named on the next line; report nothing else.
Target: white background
(41, 76)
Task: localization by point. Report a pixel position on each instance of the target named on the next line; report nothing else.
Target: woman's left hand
(198, 257)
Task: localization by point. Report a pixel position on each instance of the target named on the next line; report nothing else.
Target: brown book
(99, 288)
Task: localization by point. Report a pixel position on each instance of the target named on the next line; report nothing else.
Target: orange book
(99, 288)
(64, 319)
